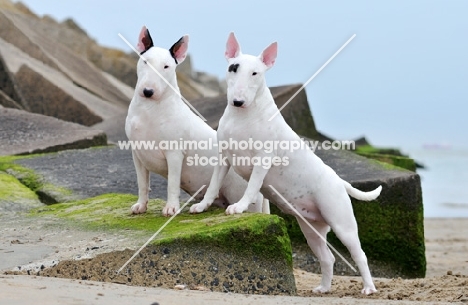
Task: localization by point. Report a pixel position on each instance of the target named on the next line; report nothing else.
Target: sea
(444, 180)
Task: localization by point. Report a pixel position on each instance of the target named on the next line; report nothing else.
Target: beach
(446, 282)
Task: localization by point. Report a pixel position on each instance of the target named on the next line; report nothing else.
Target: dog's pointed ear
(144, 40)
(268, 55)
(179, 49)
(232, 47)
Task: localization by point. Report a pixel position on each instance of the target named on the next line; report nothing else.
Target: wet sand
(446, 281)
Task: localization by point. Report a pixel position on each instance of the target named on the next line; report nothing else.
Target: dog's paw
(235, 209)
(198, 208)
(368, 290)
(321, 289)
(170, 210)
(139, 207)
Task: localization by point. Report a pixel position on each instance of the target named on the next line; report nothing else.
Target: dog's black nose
(238, 103)
(148, 92)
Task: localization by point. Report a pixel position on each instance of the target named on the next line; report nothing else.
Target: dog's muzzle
(238, 103)
(148, 92)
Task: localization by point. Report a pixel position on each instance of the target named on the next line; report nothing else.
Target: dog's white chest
(134, 127)
(140, 127)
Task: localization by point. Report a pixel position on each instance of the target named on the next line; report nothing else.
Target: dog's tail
(360, 195)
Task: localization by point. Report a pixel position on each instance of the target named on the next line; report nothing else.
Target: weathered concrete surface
(58, 56)
(8, 102)
(25, 133)
(46, 98)
(114, 128)
(15, 61)
(40, 74)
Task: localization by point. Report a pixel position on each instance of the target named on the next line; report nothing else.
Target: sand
(446, 276)
(446, 281)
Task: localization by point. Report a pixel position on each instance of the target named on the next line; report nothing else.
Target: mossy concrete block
(391, 228)
(101, 170)
(400, 161)
(14, 196)
(44, 191)
(246, 253)
(387, 155)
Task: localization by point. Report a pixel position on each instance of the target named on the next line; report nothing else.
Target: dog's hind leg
(349, 237)
(321, 250)
(143, 179)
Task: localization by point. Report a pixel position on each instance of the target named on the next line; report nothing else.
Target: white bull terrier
(157, 113)
(312, 187)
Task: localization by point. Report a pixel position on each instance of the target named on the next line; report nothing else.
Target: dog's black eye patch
(233, 68)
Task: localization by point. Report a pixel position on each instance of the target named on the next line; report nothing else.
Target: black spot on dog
(233, 68)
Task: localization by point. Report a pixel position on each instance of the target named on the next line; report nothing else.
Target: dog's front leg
(143, 180)
(250, 195)
(174, 165)
(212, 192)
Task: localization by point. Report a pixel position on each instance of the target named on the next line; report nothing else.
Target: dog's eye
(166, 66)
(255, 73)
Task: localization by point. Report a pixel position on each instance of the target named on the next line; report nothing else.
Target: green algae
(48, 193)
(14, 192)
(387, 155)
(257, 234)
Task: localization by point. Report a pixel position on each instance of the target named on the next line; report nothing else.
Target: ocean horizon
(444, 180)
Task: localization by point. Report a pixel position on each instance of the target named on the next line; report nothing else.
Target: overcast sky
(401, 82)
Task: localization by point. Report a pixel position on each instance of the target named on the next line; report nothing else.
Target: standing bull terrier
(312, 187)
(157, 113)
